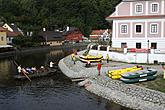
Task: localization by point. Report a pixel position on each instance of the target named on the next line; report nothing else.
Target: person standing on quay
(74, 58)
(99, 67)
(107, 58)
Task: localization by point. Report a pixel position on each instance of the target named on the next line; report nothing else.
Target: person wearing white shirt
(19, 69)
(51, 64)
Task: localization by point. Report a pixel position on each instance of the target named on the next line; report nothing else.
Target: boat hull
(91, 61)
(136, 80)
(116, 74)
(139, 74)
(91, 57)
(36, 74)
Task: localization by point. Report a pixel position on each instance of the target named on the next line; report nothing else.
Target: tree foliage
(33, 15)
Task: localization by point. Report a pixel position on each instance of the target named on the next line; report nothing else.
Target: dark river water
(56, 92)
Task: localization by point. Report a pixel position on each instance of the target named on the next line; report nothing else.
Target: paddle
(23, 71)
(26, 76)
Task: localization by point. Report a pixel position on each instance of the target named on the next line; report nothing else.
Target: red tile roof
(2, 29)
(12, 34)
(97, 32)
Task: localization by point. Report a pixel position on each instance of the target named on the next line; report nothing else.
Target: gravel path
(128, 95)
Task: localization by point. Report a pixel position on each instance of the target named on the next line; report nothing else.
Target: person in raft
(107, 58)
(23, 70)
(163, 67)
(19, 69)
(33, 69)
(51, 64)
(99, 67)
(42, 68)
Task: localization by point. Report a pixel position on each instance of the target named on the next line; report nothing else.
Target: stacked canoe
(91, 58)
(139, 76)
(116, 74)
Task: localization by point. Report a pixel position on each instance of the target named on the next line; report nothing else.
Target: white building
(139, 24)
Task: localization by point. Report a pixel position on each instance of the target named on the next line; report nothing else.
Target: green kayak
(142, 79)
(139, 74)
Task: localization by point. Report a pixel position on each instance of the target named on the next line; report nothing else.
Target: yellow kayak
(123, 70)
(116, 74)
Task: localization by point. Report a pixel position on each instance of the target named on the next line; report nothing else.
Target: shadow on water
(48, 93)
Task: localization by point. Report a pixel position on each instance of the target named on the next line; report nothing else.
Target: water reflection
(49, 93)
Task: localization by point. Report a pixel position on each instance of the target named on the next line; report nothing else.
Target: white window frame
(151, 28)
(157, 7)
(136, 8)
(141, 28)
(121, 28)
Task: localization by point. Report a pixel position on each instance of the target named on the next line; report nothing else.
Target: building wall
(160, 7)
(125, 35)
(158, 35)
(138, 35)
(6, 26)
(3, 38)
(122, 7)
(134, 8)
(131, 38)
(128, 8)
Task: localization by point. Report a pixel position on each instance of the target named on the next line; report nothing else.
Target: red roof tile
(2, 29)
(97, 32)
(12, 34)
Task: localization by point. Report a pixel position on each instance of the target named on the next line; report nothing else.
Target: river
(49, 93)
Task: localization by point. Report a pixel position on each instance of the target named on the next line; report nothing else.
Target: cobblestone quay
(128, 95)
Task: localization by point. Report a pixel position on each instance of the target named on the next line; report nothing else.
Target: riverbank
(42, 48)
(128, 95)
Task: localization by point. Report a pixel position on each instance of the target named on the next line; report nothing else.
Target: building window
(138, 28)
(138, 8)
(124, 29)
(1, 38)
(154, 28)
(154, 7)
(153, 45)
(123, 45)
(138, 45)
(9, 39)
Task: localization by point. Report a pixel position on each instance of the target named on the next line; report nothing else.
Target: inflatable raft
(116, 74)
(140, 73)
(135, 80)
(91, 58)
